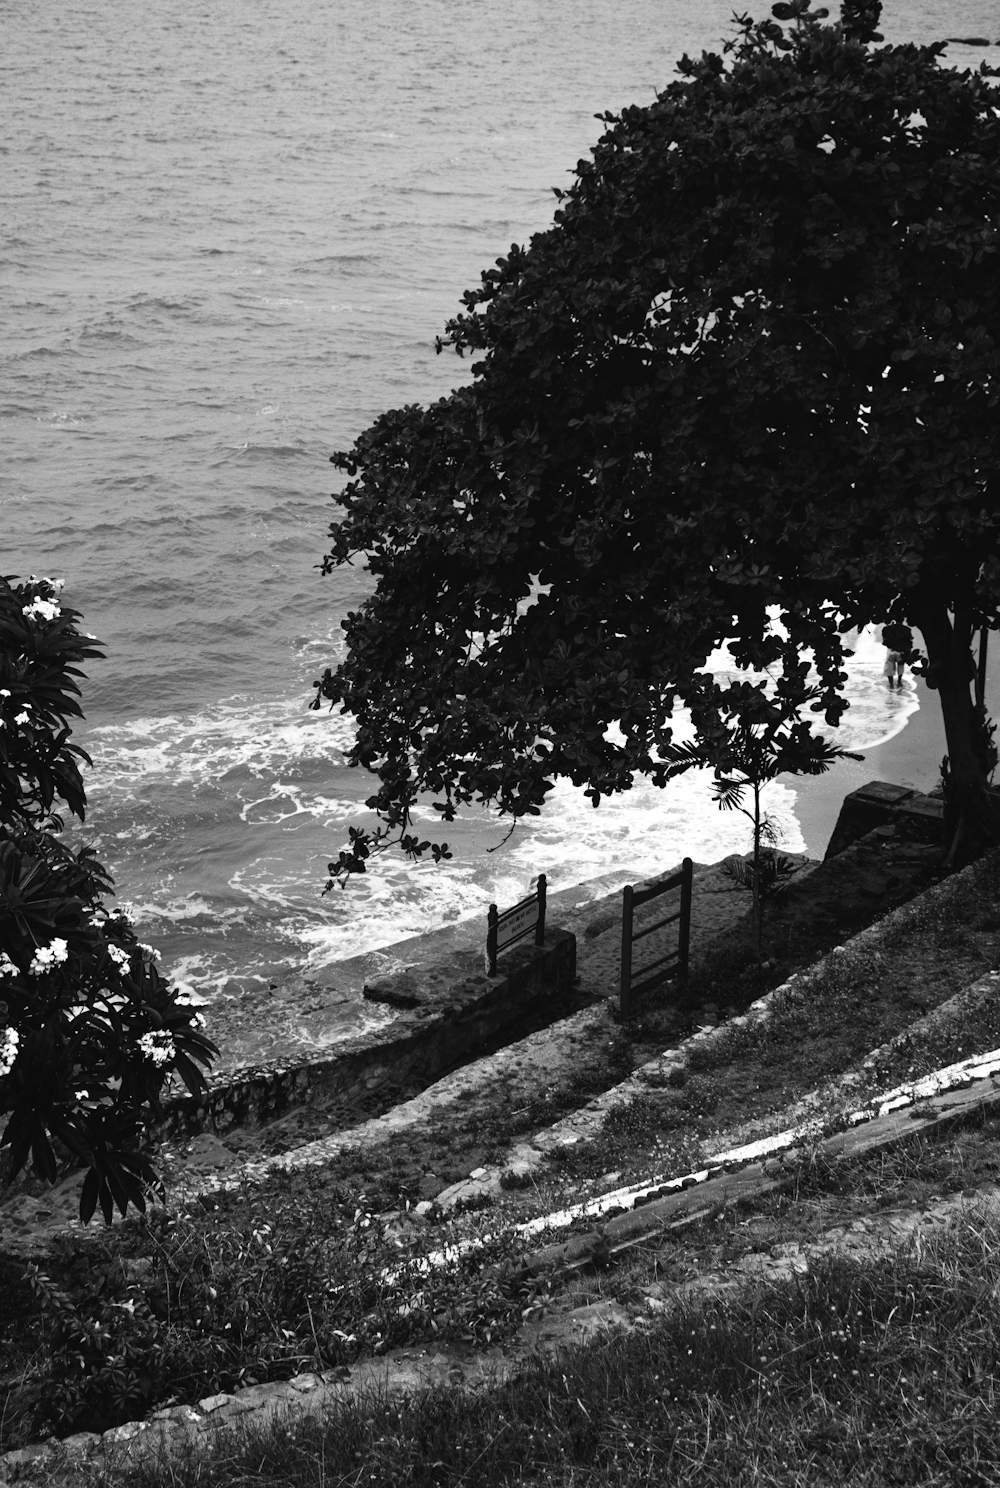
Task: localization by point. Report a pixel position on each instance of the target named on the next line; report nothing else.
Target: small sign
(515, 923)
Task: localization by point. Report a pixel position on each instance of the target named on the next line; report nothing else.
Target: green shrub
(90, 1029)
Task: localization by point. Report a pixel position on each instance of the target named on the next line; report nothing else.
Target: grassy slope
(302, 1239)
(858, 1374)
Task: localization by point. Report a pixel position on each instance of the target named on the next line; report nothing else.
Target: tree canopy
(751, 369)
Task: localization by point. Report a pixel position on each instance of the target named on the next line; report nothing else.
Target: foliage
(90, 1029)
(862, 1372)
(288, 1278)
(766, 740)
(750, 372)
(766, 873)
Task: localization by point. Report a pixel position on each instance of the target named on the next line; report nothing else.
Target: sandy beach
(912, 757)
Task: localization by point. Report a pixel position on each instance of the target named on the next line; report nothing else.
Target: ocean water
(230, 235)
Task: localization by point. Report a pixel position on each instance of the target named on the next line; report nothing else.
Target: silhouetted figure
(898, 642)
(894, 666)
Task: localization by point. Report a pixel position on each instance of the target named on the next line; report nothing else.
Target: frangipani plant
(90, 1028)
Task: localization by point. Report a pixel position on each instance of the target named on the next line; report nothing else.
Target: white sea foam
(876, 713)
(639, 833)
(256, 736)
(271, 766)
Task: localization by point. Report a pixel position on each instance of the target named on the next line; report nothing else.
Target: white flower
(186, 996)
(4, 692)
(121, 958)
(159, 1047)
(81, 1094)
(7, 967)
(47, 957)
(149, 953)
(125, 911)
(41, 609)
(23, 718)
(8, 1050)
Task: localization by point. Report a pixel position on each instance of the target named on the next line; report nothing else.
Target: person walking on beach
(894, 666)
(897, 640)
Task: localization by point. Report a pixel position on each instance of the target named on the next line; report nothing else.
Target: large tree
(751, 369)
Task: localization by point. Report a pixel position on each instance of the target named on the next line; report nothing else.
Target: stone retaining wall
(918, 817)
(447, 1014)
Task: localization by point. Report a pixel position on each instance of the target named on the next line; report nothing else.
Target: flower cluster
(186, 996)
(159, 1046)
(85, 1070)
(41, 609)
(8, 1050)
(121, 958)
(48, 957)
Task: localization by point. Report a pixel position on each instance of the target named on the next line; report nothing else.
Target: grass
(276, 1281)
(265, 1282)
(477, 1301)
(855, 1001)
(856, 1374)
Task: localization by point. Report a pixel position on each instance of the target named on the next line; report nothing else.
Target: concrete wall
(918, 817)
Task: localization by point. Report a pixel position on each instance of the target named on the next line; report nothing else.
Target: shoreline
(910, 758)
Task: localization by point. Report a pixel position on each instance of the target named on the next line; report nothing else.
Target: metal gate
(673, 961)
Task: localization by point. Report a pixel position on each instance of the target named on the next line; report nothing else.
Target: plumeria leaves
(95, 1029)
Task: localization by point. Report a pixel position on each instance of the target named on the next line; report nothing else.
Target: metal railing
(673, 961)
(506, 929)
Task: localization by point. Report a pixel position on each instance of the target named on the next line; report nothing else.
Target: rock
(214, 1402)
(81, 1444)
(11, 1463)
(125, 1433)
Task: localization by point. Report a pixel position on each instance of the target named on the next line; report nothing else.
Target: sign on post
(673, 961)
(505, 930)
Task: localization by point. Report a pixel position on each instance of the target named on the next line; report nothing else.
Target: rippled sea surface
(230, 236)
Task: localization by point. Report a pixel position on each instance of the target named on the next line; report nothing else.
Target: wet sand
(912, 757)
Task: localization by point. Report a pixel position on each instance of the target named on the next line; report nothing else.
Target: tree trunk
(972, 817)
(758, 924)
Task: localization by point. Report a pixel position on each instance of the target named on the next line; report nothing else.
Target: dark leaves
(89, 1028)
(749, 373)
